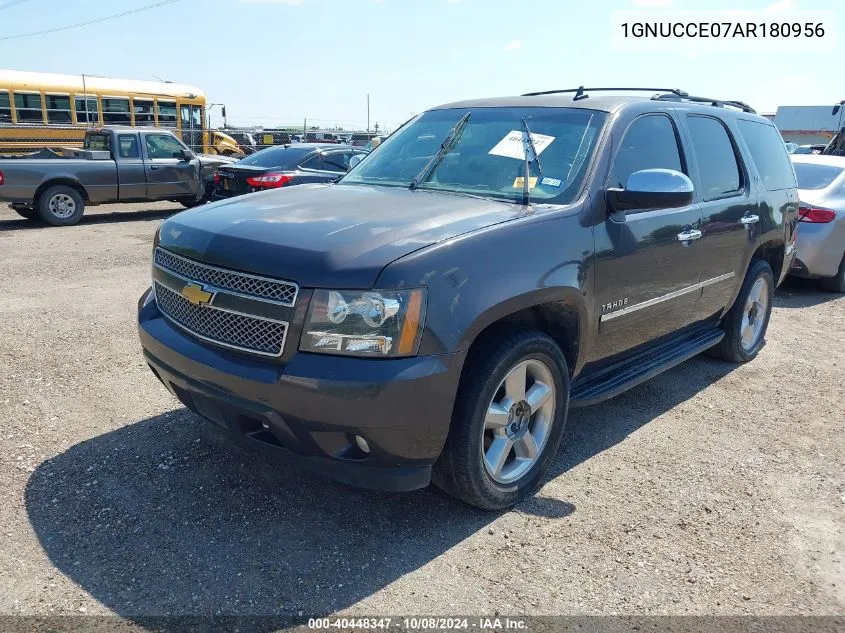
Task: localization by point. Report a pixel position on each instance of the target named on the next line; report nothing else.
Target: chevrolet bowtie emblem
(196, 294)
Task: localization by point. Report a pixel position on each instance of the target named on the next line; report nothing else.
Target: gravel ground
(711, 489)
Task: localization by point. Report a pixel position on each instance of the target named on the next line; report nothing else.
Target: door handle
(153, 167)
(749, 220)
(689, 235)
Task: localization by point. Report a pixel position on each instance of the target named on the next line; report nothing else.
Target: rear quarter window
(769, 154)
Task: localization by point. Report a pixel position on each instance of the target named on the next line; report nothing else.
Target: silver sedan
(821, 229)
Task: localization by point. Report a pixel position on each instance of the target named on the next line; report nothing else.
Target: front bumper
(311, 408)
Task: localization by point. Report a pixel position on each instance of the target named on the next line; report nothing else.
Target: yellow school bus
(39, 110)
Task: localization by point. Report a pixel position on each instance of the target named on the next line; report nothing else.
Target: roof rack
(665, 94)
(718, 103)
(581, 92)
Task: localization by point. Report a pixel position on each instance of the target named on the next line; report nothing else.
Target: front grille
(239, 331)
(271, 290)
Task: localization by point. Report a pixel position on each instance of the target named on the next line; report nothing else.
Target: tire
(749, 316)
(24, 211)
(61, 205)
(837, 282)
(467, 467)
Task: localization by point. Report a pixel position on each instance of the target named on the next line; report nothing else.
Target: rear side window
(717, 162)
(769, 154)
(314, 162)
(128, 146)
(337, 161)
(649, 143)
(813, 176)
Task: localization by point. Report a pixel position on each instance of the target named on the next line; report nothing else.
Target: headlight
(364, 323)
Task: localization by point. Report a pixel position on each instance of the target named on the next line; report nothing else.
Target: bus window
(143, 112)
(166, 113)
(116, 110)
(58, 108)
(28, 107)
(87, 110)
(5, 107)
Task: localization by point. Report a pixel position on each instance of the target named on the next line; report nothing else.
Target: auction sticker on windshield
(511, 145)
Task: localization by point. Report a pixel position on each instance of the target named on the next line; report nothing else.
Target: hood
(338, 236)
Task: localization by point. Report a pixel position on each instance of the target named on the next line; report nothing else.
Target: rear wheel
(746, 322)
(61, 206)
(508, 421)
(837, 282)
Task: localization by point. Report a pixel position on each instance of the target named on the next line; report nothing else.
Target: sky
(276, 62)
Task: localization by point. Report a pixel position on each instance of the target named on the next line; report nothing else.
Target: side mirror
(652, 189)
(354, 161)
(186, 155)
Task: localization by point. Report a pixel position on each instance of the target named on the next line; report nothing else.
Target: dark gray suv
(434, 315)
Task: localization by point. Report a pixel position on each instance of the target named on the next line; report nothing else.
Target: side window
(649, 143)
(717, 162)
(313, 162)
(769, 154)
(143, 109)
(166, 113)
(116, 111)
(337, 161)
(5, 107)
(87, 110)
(163, 146)
(28, 107)
(128, 146)
(58, 108)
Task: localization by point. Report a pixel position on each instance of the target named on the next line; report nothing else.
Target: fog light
(362, 443)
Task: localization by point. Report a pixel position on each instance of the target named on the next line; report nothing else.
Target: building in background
(807, 125)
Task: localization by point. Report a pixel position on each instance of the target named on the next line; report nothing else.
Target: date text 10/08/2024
(420, 623)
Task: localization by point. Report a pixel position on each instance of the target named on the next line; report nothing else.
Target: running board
(613, 380)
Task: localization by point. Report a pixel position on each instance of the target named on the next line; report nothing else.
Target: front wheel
(61, 205)
(508, 420)
(747, 321)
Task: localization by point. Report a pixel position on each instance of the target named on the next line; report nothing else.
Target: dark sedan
(284, 166)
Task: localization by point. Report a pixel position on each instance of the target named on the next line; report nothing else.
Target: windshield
(487, 158)
(812, 176)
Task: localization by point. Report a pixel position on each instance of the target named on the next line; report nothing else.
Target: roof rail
(581, 92)
(666, 94)
(718, 103)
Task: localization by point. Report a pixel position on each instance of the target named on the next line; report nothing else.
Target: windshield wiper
(445, 148)
(530, 155)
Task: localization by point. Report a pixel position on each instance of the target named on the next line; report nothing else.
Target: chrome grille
(272, 290)
(238, 331)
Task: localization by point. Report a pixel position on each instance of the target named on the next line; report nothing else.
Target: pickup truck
(115, 165)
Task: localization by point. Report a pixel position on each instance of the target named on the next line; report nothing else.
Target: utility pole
(368, 112)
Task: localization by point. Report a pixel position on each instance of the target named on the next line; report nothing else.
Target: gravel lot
(711, 489)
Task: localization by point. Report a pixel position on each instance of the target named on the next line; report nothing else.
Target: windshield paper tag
(511, 145)
(551, 182)
(532, 182)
